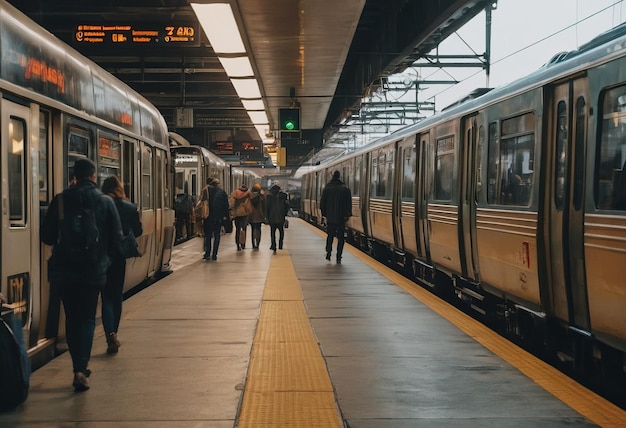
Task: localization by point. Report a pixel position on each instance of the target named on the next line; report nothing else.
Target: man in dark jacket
(336, 206)
(80, 283)
(276, 208)
(218, 212)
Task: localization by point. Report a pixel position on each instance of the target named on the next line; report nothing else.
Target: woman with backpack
(113, 289)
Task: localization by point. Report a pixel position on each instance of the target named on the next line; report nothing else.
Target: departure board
(133, 35)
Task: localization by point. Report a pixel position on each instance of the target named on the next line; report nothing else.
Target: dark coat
(258, 202)
(129, 217)
(336, 202)
(218, 205)
(276, 205)
(110, 236)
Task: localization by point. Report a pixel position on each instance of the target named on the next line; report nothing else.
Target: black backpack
(79, 236)
(14, 370)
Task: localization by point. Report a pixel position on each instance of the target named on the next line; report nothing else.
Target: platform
(292, 340)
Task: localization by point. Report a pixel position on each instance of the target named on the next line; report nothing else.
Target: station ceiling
(330, 52)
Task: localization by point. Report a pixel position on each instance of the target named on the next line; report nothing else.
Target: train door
(404, 199)
(467, 200)
(20, 223)
(564, 201)
(423, 180)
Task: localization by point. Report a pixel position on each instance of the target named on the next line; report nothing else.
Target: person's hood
(239, 194)
(275, 189)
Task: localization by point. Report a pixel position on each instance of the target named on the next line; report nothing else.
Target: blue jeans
(212, 231)
(80, 302)
(112, 295)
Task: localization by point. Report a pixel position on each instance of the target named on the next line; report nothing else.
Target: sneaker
(328, 256)
(214, 258)
(338, 260)
(80, 383)
(113, 343)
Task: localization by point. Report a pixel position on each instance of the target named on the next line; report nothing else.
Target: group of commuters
(82, 272)
(98, 267)
(243, 207)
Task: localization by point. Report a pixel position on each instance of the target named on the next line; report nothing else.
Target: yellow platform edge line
(287, 382)
(586, 402)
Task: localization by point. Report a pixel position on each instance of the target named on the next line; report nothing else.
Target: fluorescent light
(253, 104)
(258, 117)
(237, 67)
(220, 27)
(246, 88)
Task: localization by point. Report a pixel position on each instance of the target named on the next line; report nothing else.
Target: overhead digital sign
(132, 35)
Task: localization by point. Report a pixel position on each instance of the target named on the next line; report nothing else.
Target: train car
(193, 164)
(515, 202)
(56, 107)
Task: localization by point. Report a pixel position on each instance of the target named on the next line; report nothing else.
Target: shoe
(80, 383)
(338, 260)
(114, 344)
(243, 246)
(328, 256)
(205, 257)
(274, 251)
(280, 246)
(214, 258)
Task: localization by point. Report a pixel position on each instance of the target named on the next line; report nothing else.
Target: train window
(408, 173)
(492, 168)
(44, 138)
(146, 177)
(375, 177)
(560, 159)
(160, 172)
(579, 155)
(129, 166)
(479, 163)
(610, 179)
(77, 147)
(357, 177)
(444, 169)
(389, 175)
(108, 158)
(16, 161)
(511, 161)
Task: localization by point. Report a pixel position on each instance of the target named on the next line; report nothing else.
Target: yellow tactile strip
(570, 392)
(288, 383)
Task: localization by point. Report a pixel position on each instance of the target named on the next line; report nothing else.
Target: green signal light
(290, 125)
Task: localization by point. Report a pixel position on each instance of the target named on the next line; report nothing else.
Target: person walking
(78, 213)
(276, 208)
(112, 294)
(218, 212)
(336, 206)
(241, 209)
(257, 199)
(183, 207)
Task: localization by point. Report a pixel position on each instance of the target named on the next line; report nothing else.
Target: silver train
(515, 202)
(193, 164)
(58, 106)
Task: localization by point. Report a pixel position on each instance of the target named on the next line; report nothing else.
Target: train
(513, 203)
(56, 107)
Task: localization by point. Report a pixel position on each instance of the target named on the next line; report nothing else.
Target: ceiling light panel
(220, 27)
(237, 67)
(246, 88)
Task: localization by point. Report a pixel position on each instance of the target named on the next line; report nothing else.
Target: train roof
(35, 60)
(603, 48)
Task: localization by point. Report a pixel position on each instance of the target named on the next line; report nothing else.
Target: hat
(256, 187)
(84, 168)
(336, 175)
